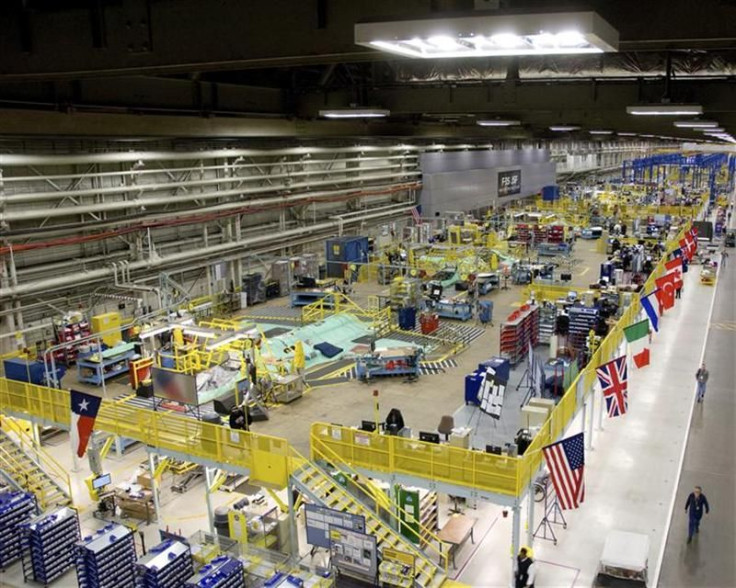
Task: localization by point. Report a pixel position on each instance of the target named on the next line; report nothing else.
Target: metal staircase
(33, 470)
(321, 488)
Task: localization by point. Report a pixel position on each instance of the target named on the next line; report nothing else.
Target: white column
(515, 538)
(154, 488)
(530, 516)
(293, 532)
(209, 478)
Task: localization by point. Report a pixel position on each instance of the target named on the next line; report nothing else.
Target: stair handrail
(329, 455)
(28, 486)
(47, 463)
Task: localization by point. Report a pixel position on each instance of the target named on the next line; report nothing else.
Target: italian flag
(637, 336)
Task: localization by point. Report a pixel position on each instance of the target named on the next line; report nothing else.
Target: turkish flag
(674, 267)
(666, 291)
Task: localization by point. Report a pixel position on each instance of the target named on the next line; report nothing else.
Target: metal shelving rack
(15, 508)
(47, 543)
(167, 565)
(547, 319)
(221, 572)
(106, 559)
(582, 320)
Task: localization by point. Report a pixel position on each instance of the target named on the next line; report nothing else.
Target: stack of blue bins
(106, 559)
(15, 509)
(167, 565)
(221, 572)
(48, 544)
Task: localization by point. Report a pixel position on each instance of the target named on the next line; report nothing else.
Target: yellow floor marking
(585, 271)
(516, 304)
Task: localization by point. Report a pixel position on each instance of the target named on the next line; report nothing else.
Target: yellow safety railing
(266, 457)
(48, 464)
(386, 509)
(442, 463)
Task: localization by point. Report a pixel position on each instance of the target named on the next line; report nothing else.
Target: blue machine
(342, 251)
(473, 381)
(485, 312)
(407, 318)
(31, 371)
(550, 193)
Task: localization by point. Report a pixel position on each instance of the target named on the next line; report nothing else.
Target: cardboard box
(145, 480)
(547, 403)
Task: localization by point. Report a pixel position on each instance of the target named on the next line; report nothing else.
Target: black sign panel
(509, 183)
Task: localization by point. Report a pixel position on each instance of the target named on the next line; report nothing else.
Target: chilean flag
(84, 413)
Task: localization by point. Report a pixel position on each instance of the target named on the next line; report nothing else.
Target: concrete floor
(422, 403)
(709, 461)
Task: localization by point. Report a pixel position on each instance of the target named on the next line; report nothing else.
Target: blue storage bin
(408, 318)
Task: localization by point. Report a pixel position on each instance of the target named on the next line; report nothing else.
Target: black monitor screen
(368, 426)
(495, 449)
(429, 437)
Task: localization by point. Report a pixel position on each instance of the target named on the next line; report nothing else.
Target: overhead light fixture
(564, 128)
(355, 113)
(625, 134)
(695, 124)
(665, 110)
(600, 132)
(498, 123)
(712, 130)
(491, 35)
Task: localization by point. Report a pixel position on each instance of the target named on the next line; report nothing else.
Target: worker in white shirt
(525, 570)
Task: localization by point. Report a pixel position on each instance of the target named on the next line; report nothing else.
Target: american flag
(614, 383)
(416, 215)
(566, 463)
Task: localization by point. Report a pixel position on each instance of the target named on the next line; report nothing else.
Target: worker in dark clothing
(694, 506)
(238, 418)
(525, 570)
(252, 372)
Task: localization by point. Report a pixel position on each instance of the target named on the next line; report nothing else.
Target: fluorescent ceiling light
(622, 134)
(564, 128)
(695, 124)
(354, 113)
(712, 130)
(600, 132)
(666, 110)
(498, 123)
(491, 35)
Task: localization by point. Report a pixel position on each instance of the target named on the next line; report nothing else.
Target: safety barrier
(266, 457)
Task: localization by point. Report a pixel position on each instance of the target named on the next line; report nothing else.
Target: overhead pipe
(15, 159)
(26, 197)
(227, 166)
(185, 217)
(282, 239)
(39, 213)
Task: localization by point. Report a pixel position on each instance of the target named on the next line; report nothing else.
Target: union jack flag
(614, 385)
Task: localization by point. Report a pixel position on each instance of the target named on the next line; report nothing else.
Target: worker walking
(525, 570)
(724, 257)
(694, 506)
(701, 376)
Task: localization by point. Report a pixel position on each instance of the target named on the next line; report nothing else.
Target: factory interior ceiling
(265, 70)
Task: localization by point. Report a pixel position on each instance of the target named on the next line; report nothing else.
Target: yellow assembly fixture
(110, 321)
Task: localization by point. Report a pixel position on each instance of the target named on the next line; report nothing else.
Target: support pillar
(515, 538)
(154, 487)
(293, 530)
(591, 414)
(600, 412)
(530, 516)
(209, 478)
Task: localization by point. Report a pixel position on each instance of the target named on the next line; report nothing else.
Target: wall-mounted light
(355, 113)
(491, 35)
(665, 110)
